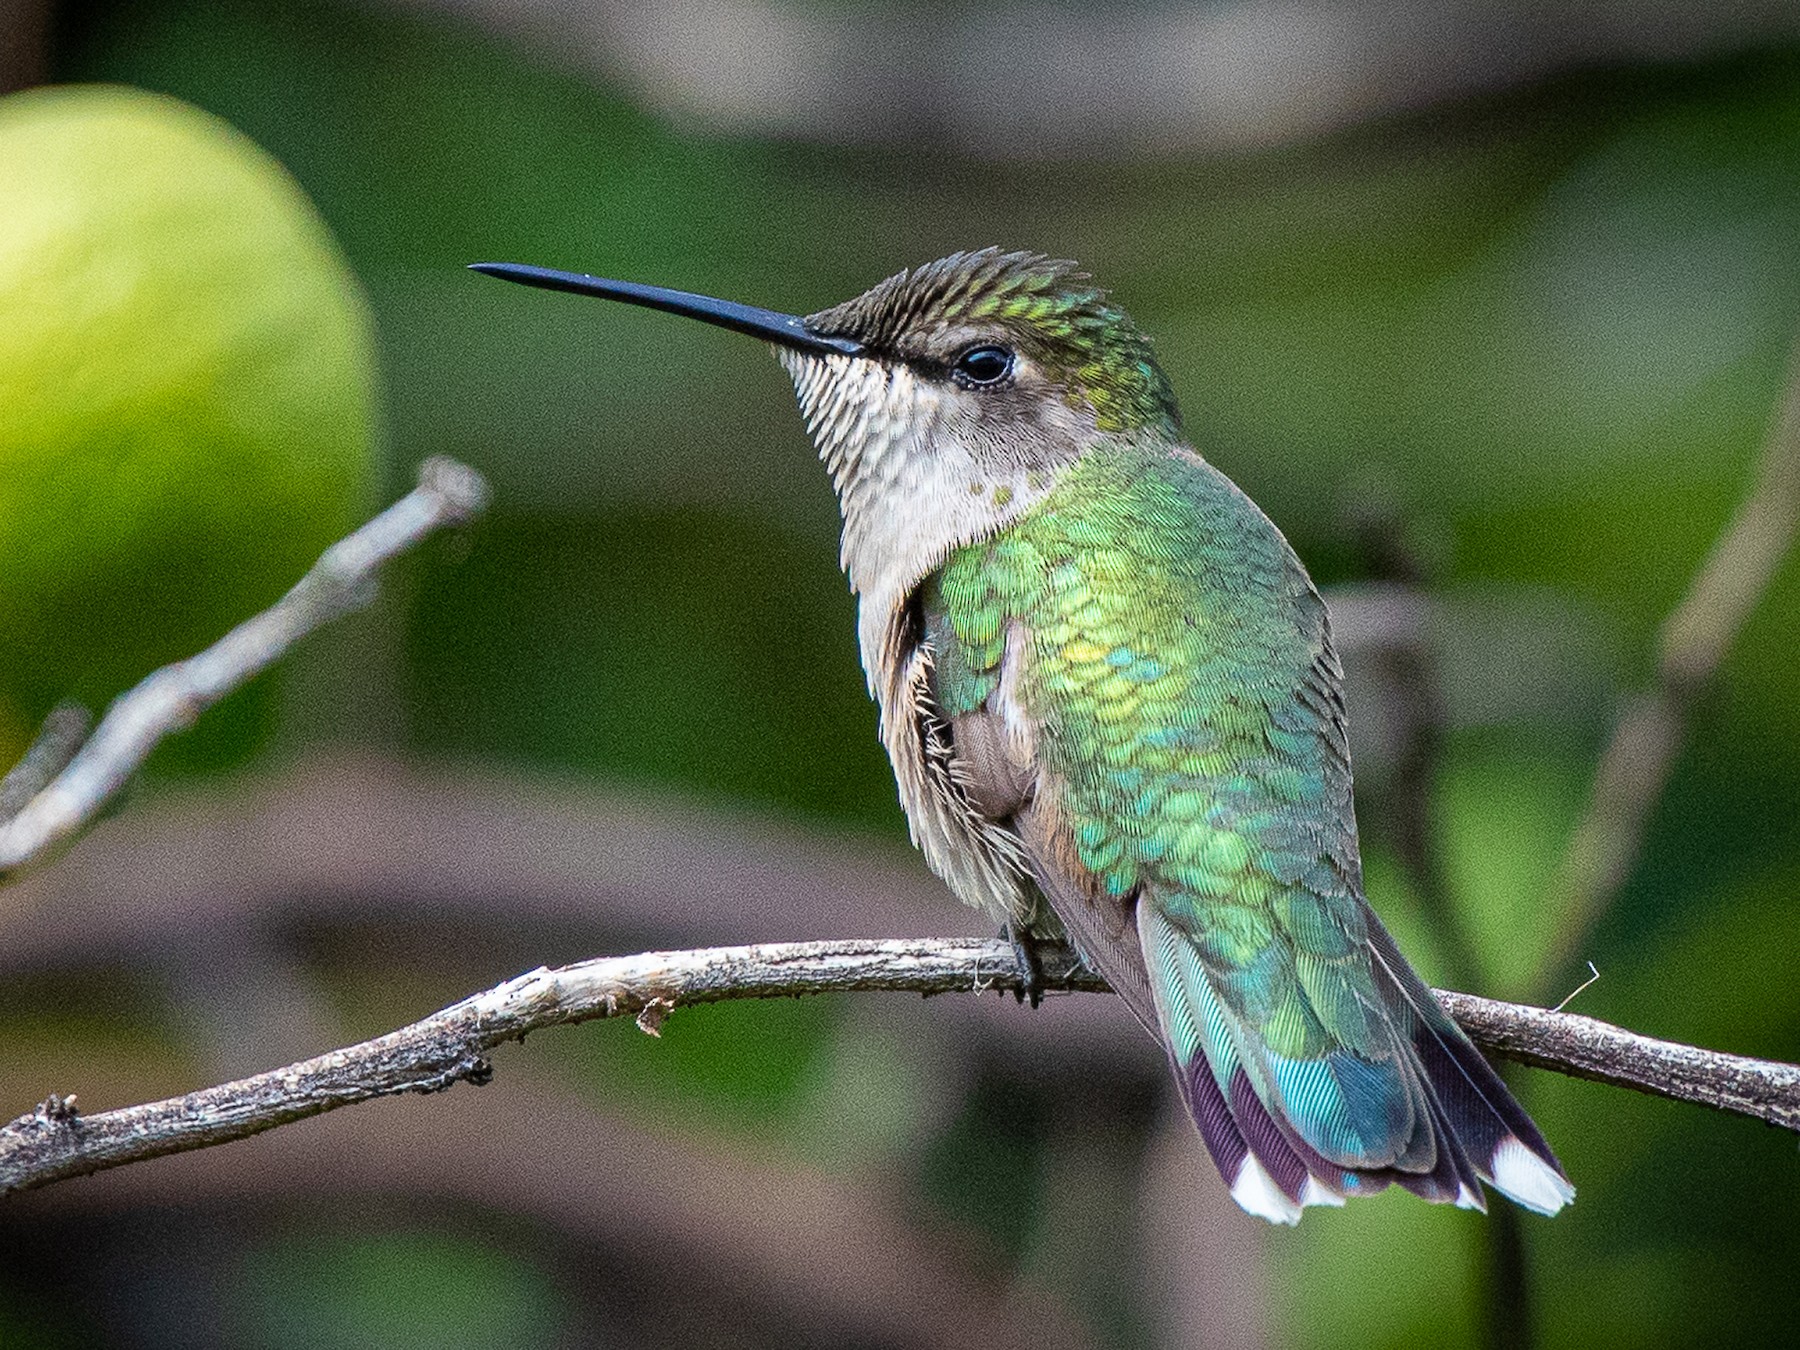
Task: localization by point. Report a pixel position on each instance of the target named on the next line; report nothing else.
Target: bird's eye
(983, 365)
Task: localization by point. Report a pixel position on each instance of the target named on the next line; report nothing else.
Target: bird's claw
(1026, 960)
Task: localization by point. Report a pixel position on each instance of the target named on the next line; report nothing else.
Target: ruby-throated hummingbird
(1108, 689)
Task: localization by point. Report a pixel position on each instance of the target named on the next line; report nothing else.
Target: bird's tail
(1286, 1134)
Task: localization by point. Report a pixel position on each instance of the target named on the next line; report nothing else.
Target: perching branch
(169, 700)
(55, 1141)
(1695, 639)
(1585, 1047)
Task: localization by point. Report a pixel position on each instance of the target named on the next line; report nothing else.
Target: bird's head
(946, 399)
(1019, 355)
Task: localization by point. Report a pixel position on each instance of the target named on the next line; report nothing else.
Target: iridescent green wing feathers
(1189, 733)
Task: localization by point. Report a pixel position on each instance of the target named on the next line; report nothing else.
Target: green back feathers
(1167, 615)
(1047, 309)
(1170, 627)
(1189, 730)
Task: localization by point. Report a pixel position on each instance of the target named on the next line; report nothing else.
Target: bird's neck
(910, 491)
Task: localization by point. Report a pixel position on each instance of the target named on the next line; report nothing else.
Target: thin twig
(452, 1046)
(1695, 639)
(1578, 990)
(58, 739)
(169, 700)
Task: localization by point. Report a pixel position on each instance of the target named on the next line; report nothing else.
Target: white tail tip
(1256, 1193)
(1521, 1176)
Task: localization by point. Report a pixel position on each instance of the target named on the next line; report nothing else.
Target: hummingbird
(1108, 689)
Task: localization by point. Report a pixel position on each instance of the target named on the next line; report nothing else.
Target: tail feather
(1253, 1183)
(1449, 1178)
(1454, 1179)
(1271, 1171)
(1110, 939)
(1469, 1129)
(1274, 1147)
(1503, 1143)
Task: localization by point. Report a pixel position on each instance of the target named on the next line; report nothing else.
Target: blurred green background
(1511, 304)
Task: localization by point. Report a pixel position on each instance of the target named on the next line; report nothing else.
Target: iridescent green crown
(1047, 308)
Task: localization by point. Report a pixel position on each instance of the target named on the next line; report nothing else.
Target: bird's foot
(1026, 959)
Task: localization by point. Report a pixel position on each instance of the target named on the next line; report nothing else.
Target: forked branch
(68, 778)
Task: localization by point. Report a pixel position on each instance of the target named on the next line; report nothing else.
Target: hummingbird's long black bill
(771, 325)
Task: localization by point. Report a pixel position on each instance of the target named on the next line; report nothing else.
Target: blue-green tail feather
(1429, 1114)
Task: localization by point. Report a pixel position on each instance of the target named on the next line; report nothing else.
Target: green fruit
(187, 389)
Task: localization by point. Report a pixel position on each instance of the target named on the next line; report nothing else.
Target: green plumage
(1109, 694)
(1192, 743)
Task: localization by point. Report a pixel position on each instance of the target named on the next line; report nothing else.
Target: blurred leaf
(1505, 813)
(425, 1289)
